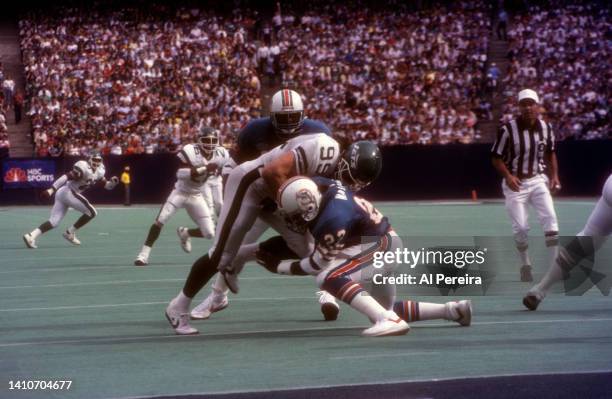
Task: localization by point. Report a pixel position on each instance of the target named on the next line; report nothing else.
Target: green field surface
(86, 314)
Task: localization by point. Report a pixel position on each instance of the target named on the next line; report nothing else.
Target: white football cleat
(213, 303)
(183, 233)
(533, 298)
(460, 312)
(329, 306)
(179, 321)
(390, 324)
(71, 237)
(141, 260)
(30, 242)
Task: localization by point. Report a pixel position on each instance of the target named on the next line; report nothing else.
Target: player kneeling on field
(339, 221)
(68, 191)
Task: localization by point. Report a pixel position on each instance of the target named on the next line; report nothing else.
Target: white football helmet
(95, 160)
(298, 201)
(287, 111)
(208, 139)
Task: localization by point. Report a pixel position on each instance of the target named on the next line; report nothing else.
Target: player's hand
(47, 193)
(554, 184)
(212, 168)
(514, 183)
(115, 179)
(267, 260)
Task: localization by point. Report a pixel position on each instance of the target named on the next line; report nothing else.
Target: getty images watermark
(478, 266)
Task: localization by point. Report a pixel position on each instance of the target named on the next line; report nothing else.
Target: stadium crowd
(390, 75)
(7, 86)
(564, 54)
(124, 82)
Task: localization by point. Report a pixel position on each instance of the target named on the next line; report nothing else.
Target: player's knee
(54, 222)
(93, 213)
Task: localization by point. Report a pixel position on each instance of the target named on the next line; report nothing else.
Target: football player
(68, 190)
(593, 235)
(212, 189)
(340, 223)
(193, 172)
(250, 185)
(286, 121)
(359, 165)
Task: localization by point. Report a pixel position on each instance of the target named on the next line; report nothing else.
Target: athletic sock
(219, 288)
(182, 301)
(146, 250)
(43, 228)
(364, 303)
(82, 221)
(416, 311)
(195, 233)
(153, 235)
(36, 233)
(523, 252)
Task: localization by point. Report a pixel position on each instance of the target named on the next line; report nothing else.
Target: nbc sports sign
(26, 174)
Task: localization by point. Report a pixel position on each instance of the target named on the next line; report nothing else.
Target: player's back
(345, 217)
(260, 136)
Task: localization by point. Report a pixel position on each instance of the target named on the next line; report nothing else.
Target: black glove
(267, 260)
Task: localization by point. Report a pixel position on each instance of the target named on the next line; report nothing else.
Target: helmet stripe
(287, 99)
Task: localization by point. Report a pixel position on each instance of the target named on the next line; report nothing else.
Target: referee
(523, 151)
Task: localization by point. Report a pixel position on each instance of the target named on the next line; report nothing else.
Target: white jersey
(85, 176)
(315, 154)
(193, 156)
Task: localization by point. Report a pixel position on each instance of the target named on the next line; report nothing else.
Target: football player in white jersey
(68, 191)
(593, 235)
(250, 185)
(212, 189)
(193, 172)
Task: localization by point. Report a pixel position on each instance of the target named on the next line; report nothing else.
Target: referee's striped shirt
(522, 147)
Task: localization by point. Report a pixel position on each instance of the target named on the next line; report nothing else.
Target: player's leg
(217, 300)
(186, 233)
(344, 281)
(597, 228)
(168, 209)
(217, 194)
(199, 212)
(516, 206)
(458, 311)
(237, 217)
(207, 193)
(60, 207)
(81, 204)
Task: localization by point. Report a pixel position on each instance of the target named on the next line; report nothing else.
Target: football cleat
(183, 233)
(329, 306)
(213, 303)
(390, 324)
(526, 275)
(30, 242)
(71, 237)
(460, 312)
(179, 321)
(533, 298)
(141, 260)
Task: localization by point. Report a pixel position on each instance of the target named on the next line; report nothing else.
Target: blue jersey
(344, 219)
(259, 136)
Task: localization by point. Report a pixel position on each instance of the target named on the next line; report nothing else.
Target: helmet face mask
(287, 112)
(208, 139)
(360, 165)
(95, 160)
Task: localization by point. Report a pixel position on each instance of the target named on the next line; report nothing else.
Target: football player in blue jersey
(348, 231)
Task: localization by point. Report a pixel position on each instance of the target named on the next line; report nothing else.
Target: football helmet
(298, 202)
(208, 139)
(95, 160)
(287, 111)
(359, 165)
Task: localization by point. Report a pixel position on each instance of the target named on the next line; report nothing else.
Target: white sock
(71, 229)
(524, 255)
(36, 233)
(415, 311)
(182, 302)
(432, 311)
(146, 250)
(364, 303)
(219, 287)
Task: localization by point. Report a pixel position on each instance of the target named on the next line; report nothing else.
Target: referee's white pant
(67, 198)
(534, 192)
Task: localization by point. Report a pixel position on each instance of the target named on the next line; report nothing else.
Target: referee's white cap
(528, 93)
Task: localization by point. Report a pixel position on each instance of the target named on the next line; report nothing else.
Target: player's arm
(279, 170)
(75, 174)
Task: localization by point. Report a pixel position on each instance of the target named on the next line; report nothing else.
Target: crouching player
(68, 190)
(339, 221)
(593, 235)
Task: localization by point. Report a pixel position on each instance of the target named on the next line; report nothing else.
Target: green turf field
(86, 314)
